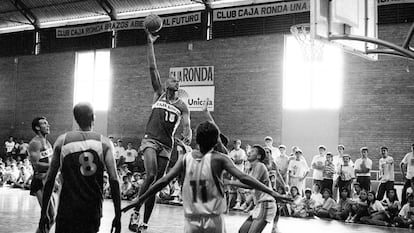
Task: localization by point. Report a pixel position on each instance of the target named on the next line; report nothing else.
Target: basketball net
(311, 49)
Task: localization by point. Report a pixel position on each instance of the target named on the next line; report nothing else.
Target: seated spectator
(328, 172)
(106, 187)
(392, 204)
(346, 174)
(377, 214)
(281, 206)
(359, 208)
(296, 199)
(323, 210)
(126, 187)
(316, 194)
(123, 171)
(343, 206)
(2, 173)
(357, 192)
(406, 215)
(24, 179)
(307, 206)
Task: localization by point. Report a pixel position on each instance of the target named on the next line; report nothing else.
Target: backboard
(336, 20)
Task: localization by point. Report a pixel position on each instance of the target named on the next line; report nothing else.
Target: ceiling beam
(26, 12)
(108, 8)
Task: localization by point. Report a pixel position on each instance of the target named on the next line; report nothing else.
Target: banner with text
(197, 96)
(279, 8)
(170, 21)
(194, 76)
(389, 2)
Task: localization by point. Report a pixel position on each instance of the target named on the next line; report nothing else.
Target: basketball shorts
(204, 224)
(161, 149)
(36, 185)
(265, 210)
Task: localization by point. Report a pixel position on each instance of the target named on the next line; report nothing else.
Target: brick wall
(40, 86)
(378, 102)
(248, 81)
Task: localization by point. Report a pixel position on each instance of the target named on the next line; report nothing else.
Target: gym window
(92, 78)
(311, 85)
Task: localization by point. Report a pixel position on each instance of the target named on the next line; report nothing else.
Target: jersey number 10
(169, 117)
(203, 190)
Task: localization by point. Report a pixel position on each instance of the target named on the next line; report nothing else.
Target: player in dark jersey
(203, 185)
(82, 156)
(40, 153)
(167, 112)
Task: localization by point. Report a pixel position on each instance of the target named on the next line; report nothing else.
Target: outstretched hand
(205, 105)
(282, 198)
(150, 37)
(136, 205)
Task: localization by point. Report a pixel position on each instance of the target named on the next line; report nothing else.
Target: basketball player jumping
(203, 195)
(167, 112)
(81, 157)
(40, 152)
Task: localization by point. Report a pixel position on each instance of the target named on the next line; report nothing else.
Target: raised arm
(160, 184)
(114, 183)
(154, 74)
(50, 182)
(34, 156)
(187, 133)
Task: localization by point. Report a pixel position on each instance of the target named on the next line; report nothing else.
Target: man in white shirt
(282, 162)
(269, 144)
(298, 170)
(338, 162)
(363, 168)
(130, 155)
(318, 164)
(238, 155)
(407, 169)
(386, 167)
(9, 146)
(119, 152)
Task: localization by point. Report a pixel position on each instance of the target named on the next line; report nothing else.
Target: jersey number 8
(88, 167)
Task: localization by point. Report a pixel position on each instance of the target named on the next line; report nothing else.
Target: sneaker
(237, 206)
(143, 228)
(133, 222)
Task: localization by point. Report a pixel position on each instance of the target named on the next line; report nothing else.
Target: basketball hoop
(312, 49)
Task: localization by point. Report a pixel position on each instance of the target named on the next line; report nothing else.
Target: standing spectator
(298, 170)
(9, 147)
(386, 167)
(346, 174)
(328, 172)
(282, 162)
(318, 165)
(338, 161)
(269, 144)
(238, 155)
(363, 168)
(119, 153)
(23, 146)
(130, 155)
(407, 169)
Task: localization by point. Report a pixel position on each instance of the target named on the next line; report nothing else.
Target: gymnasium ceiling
(19, 15)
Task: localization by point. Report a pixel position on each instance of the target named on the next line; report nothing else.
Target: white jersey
(202, 190)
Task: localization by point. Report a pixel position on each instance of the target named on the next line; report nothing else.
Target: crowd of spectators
(341, 188)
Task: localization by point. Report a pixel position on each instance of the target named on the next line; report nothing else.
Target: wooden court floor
(19, 213)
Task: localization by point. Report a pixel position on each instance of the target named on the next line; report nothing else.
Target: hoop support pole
(407, 40)
(405, 52)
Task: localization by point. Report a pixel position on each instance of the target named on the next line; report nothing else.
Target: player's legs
(161, 166)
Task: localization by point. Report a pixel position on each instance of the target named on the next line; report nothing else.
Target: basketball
(153, 23)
